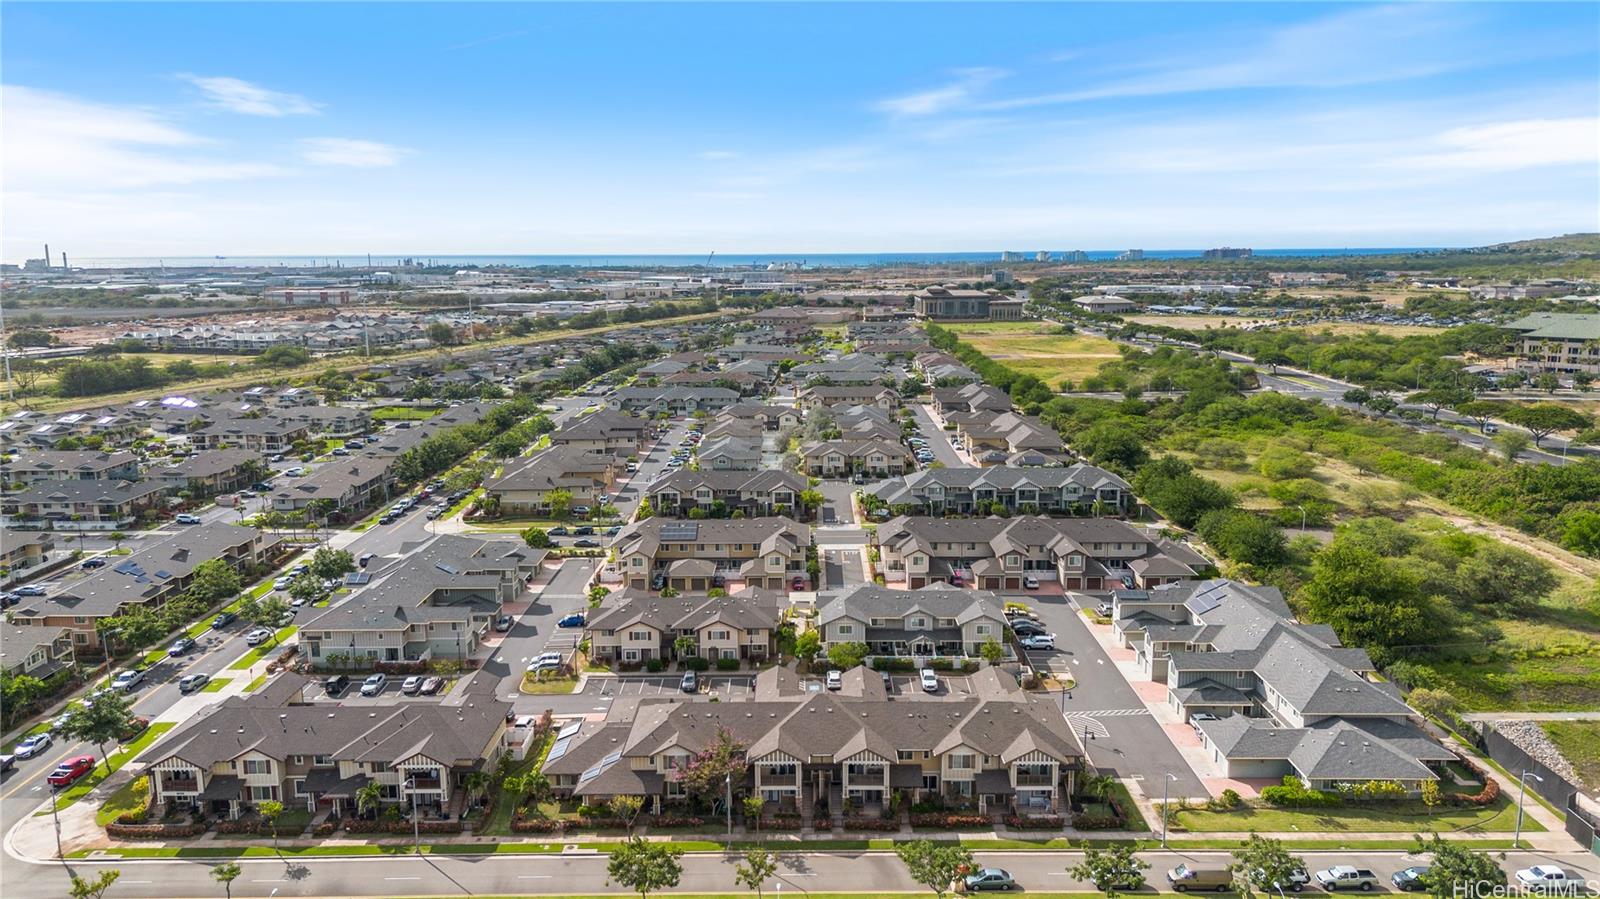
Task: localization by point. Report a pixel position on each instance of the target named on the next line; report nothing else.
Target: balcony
(1035, 780)
(179, 784)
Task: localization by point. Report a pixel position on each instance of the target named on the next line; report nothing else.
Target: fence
(1552, 786)
(1583, 821)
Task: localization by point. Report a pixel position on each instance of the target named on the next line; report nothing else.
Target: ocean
(625, 260)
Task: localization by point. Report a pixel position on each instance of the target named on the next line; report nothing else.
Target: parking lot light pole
(1522, 798)
(1165, 814)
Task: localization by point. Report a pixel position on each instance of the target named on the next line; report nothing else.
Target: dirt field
(1199, 322)
(1033, 348)
(1362, 328)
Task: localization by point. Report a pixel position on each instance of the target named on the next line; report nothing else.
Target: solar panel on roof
(447, 568)
(357, 578)
(611, 759)
(686, 532)
(163, 573)
(590, 774)
(558, 750)
(568, 729)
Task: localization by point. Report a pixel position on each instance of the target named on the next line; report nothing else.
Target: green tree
(1512, 443)
(116, 539)
(1243, 536)
(213, 580)
(100, 720)
(847, 655)
(685, 646)
(1544, 419)
(707, 774)
(807, 645)
(992, 651)
(1481, 411)
(306, 587)
(1580, 531)
(95, 887)
(560, 503)
(810, 500)
(1357, 397)
(225, 874)
(264, 611)
(627, 808)
(1112, 871)
(270, 809)
(536, 538)
(1282, 463)
(1457, 870)
(1440, 398)
(1370, 601)
(327, 562)
(440, 334)
(934, 865)
(1111, 445)
(1263, 865)
(1501, 576)
(368, 797)
(757, 868)
(135, 629)
(645, 867)
(1170, 486)
(752, 806)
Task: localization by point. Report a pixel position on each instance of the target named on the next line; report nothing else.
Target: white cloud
(954, 95)
(1369, 45)
(360, 154)
(56, 141)
(1504, 146)
(237, 95)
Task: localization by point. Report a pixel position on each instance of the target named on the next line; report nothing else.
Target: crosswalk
(1089, 723)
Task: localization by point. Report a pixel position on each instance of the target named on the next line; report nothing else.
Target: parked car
(70, 770)
(658, 581)
(95, 562)
(836, 679)
(545, 661)
(503, 623)
(930, 680)
(29, 590)
(1103, 610)
(1347, 877)
(1030, 583)
(282, 583)
(575, 619)
(1039, 641)
(7, 762)
(1549, 879)
(374, 684)
(192, 682)
(432, 685)
(180, 646)
(186, 518)
(1184, 878)
(690, 682)
(127, 680)
(990, 879)
(1409, 880)
(336, 684)
(223, 620)
(257, 637)
(32, 746)
(1024, 627)
(586, 543)
(558, 531)
(366, 559)
(411, 686)
(798, 582)
(584, 531)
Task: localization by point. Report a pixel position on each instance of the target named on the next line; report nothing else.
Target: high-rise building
(1229, 253)
(1131, 255)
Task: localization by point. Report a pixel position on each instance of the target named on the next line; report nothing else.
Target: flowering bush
(676, 821)
(362, 825)
(1037, 822)
(782, 822)
(537, 825)
(870, 824)
(153, 831)
(949, 820)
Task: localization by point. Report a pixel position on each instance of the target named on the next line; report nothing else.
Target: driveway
(938, 439)
(534, 630)
(841, 568)
(1119, 733)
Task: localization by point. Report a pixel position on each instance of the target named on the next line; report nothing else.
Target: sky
(243, 129)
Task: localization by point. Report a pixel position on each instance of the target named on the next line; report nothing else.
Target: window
(717, 635)
(257, 766)
(299, 786)
(982, 630)
(905, 755)
(377, 767)
(297, 760)
(322, 760)
(638, 636)
(630, 655)
(262, 794)
(844, 630)
(961, 761)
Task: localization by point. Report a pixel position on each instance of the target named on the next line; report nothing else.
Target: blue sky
(178, 129)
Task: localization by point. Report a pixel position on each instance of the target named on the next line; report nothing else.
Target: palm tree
(476, 783)
(367, 798)
(225, 874)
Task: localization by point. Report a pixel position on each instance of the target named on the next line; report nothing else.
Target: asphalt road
(510, 875)
(938, 439)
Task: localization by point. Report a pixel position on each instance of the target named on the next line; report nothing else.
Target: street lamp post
(57, 816)
(416, 823)
(1165, 814)
(1522, 794)
(728, 779)
(1302, 518)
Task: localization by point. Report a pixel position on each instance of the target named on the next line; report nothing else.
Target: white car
(836, 680)
(32, 746)
(1548, 879)
(546, 661)
(1039, 641)
(127, 680)
(374, 684)
(257, 637)
(282, 583)
(1030, 583)
(930, 681)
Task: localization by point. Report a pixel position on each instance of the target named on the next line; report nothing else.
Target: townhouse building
(943, 370)
(605, 430)
(772, 418)
(69, 465)
(35, 651)
(344, 487)
(210, 472)
(438, 602)
(148, 577)
(993, 436)
(268, 436)
(762, 552)
(330, 421)
(755, 493)
(842, 458)
(634, 627)
(865, 423)
(1269, 695)
(729, 453)
(997, 748)
(1090, 554)
(1078, 489)
(852, 368)
(81, 505)
(931, 622)
(671, 399)
(847, 394)
(525, 486)
(275, 745)
(971, 398)
(24, 549)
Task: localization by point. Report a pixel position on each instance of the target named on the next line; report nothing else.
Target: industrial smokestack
(46, 257)
(64, 266)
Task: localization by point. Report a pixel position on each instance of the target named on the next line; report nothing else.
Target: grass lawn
(548, 685)
(1119, 791)
(216, 684)
(257, 653)
(404, 413)
(255, 684)
(11, 744)
(1034, 348)
(500, 822)
(1579, 741)
(130, 797)
(119, 757)
(1413, 817)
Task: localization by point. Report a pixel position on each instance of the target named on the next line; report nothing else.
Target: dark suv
(336, 684)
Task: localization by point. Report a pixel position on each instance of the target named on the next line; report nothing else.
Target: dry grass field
(1035, 348)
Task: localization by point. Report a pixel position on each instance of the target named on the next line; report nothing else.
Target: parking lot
(725, 687)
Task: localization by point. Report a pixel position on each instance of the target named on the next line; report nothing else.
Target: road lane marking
(533, 876)
(402, 878)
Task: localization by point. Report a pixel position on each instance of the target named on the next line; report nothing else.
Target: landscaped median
(119, 757)
(257, 653)
(1499, 816)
